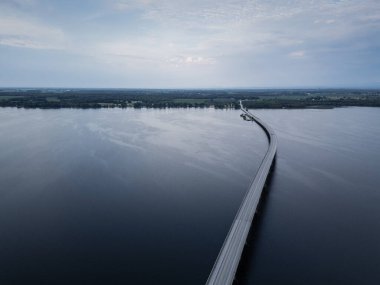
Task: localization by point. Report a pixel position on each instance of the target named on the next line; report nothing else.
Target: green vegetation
(190, 101)
(156, 98)
(9, 97)
(53, 99)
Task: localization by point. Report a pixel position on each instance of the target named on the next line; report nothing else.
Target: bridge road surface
(226, 264)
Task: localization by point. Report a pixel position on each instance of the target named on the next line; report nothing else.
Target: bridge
(226, 264)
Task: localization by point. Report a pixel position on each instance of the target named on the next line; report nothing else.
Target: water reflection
(120, 196)
(319, 223)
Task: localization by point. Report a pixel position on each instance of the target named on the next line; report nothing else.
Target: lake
(319, 223)
(116, 196)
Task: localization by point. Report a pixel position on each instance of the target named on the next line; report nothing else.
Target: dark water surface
(147, 196)
(320, 220)
(120, 196)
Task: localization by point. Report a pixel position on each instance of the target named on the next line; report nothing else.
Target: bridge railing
(226, 264)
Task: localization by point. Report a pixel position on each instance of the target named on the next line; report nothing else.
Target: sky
(190, 44)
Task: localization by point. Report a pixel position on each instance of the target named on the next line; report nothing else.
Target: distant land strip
(45, 98)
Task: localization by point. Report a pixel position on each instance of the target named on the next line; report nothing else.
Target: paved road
(224, 270)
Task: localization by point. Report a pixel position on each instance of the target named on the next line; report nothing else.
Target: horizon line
(201, 88)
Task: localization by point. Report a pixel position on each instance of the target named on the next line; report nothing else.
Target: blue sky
(189, 44)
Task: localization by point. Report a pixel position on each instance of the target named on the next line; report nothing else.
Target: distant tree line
(219, 99)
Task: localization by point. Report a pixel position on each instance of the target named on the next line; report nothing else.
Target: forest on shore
(45, 98)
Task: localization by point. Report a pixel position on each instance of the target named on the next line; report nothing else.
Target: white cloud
(121, 5)
(182, 38)
(29, 34)
(297, 54)
(231, 27)
(191, 60)
(24, 43)
(327, 22)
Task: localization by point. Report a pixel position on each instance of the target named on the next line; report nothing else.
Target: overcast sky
(190, 44)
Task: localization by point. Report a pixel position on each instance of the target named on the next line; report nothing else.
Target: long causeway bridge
(226, 264)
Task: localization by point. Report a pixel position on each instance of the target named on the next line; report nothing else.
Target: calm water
(320, 220)
(147, 196)
(120, 196)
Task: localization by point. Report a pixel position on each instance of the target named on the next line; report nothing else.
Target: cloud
(174, 40)
(327, 22)
(228, 27)
(122, 5)
(28, 33)
(25, 43)
(297, 54)
(191, 60)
